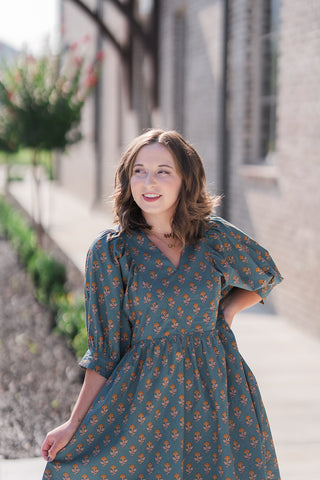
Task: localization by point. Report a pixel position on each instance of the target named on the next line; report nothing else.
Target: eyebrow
(142, 165)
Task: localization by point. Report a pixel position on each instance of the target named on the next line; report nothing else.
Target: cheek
(177, 186)
(133, 186)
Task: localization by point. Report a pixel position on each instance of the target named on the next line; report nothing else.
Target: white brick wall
(280, 211)
(284, 215)
(76, 168)
(203, 77)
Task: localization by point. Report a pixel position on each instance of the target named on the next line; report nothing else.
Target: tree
(9, 143)
(41, 101)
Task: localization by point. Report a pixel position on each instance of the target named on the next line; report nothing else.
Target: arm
(60, 436)
(237, 300)
(109, 332)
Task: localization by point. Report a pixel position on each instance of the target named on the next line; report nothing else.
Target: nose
(150, 179)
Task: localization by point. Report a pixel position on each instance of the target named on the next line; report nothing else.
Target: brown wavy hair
(194, 205)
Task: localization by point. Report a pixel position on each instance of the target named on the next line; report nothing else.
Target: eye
(164, 172)
(138, 171)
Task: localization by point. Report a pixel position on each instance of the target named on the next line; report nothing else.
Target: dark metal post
(224, 147)
(98, 92)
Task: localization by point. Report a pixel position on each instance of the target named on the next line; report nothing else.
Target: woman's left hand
(228, 313)
(236, 301)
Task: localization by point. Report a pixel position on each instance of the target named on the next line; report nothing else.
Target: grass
(24, 158)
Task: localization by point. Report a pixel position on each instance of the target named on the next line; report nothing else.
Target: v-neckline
(176, 268)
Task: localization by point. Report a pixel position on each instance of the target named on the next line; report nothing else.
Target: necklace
(169, 235)
(165, 237)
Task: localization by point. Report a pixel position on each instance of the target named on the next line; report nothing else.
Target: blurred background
(240, 79)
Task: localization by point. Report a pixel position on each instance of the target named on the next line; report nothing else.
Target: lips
(151, 197)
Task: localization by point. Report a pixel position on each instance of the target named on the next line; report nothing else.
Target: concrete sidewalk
(286, 363)
(67, 220)
(24, 469)
(285, 360)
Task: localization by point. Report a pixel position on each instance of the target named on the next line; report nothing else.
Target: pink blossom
(73, 46)
(78, 61)
(90, 69)
(9, 95)
(100, 56)
(30, 59)
(91, 80)
(86, 38)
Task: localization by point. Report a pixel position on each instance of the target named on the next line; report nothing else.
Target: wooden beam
(104, 29)
(148, 38)
(136, 27)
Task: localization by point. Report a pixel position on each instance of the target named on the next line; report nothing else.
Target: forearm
(93, 382)
(238, 300)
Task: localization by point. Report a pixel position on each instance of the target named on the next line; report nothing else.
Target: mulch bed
(39, 375)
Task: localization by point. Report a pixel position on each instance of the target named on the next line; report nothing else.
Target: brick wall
(203, 23)
(279, 205)
(77, 168)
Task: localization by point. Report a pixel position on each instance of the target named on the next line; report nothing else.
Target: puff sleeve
(241, 260)
(108, 328)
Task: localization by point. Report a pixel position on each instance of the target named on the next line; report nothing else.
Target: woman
(166, 393)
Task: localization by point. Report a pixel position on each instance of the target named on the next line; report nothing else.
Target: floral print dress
(179, 402)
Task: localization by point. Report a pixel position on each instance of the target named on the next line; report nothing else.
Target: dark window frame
(261, 86)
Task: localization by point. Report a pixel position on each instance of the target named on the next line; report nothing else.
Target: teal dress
(179, 402)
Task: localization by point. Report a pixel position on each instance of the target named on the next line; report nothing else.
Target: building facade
(240, 80)
(275, 166)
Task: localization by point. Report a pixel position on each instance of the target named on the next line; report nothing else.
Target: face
(155, 182)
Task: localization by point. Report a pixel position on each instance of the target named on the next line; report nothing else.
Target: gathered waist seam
(174, 337)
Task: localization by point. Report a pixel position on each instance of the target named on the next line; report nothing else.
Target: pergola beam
(136, 27)
(104, 29)
(149, 39)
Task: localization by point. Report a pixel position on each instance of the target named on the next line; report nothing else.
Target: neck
(160, 226)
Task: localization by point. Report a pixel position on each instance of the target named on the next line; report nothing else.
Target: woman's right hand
(56, 440)
(60, 436)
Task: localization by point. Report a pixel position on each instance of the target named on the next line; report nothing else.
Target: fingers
(45, 449)
(51, 446)
(55, 441)
(52, 453)
(49, 449)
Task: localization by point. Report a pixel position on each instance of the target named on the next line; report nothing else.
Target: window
(179, 70)
(268, 98)
(261, 86)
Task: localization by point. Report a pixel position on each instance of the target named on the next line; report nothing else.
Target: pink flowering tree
(9, 142)
(41, 101)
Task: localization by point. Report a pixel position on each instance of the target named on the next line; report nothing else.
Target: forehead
(155, 154)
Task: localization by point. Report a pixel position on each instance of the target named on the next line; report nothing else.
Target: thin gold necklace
(166, 236)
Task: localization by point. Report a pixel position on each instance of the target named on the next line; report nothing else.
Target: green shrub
(70, 320)
(80, 343)
(4, 215)
(27, 247)
(21, 236)
(48, 275)
(49, 278)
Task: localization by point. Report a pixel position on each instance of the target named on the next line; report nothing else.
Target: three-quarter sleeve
(108, 328)
(241, 260)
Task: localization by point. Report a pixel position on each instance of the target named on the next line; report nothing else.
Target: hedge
(48, 276)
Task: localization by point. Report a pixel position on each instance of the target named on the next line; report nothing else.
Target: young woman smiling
(166, 391)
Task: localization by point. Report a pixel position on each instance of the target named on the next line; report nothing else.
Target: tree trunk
(36, 173)
(7, 179)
